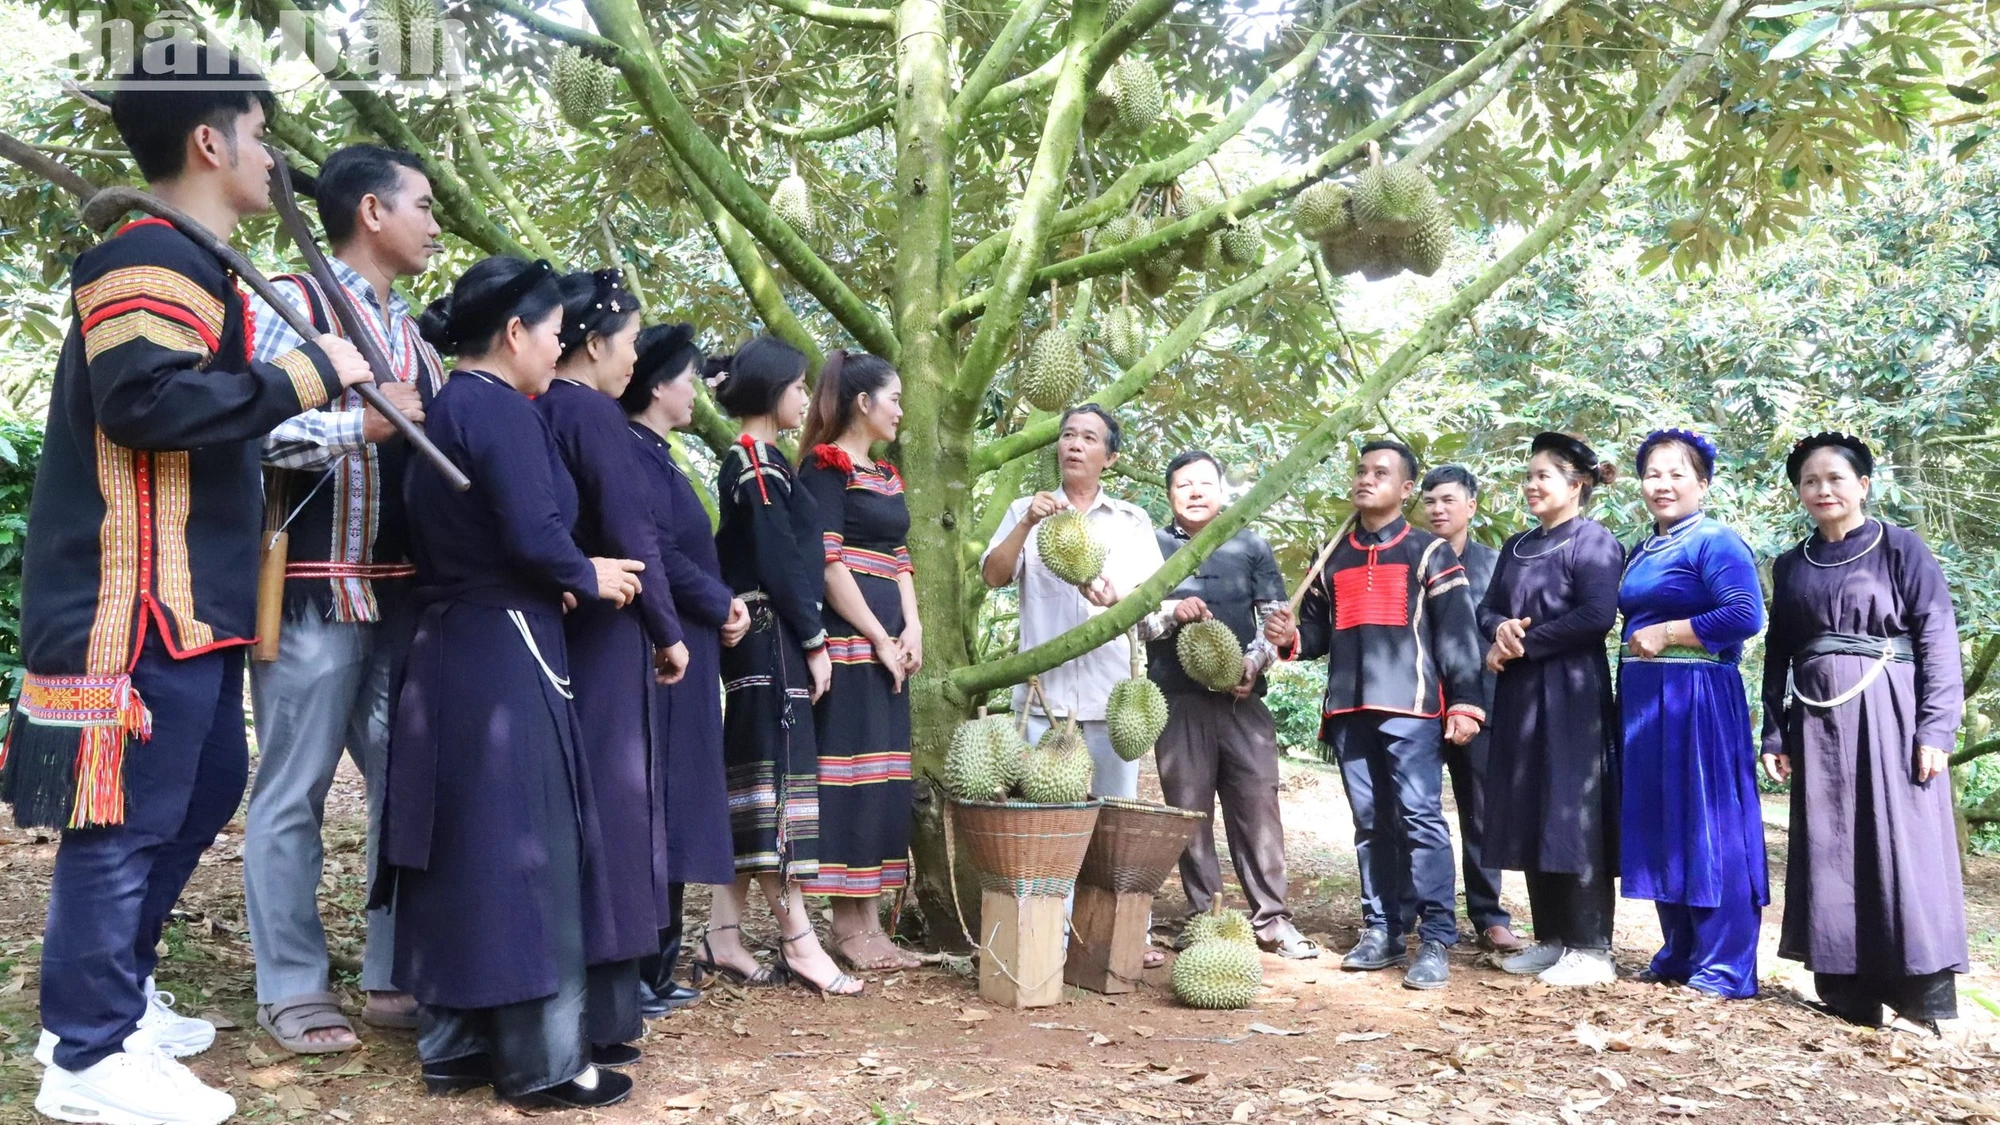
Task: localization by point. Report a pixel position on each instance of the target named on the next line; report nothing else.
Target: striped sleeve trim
(903, 565)
(155, 286)
(166, 331)
(306, 382)
(831, 542)
(1452, 583)
(1477, 714)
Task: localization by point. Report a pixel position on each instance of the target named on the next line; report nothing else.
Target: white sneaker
(1535, 959)
(176, 1035)
(132, 1088)
(1580, 968)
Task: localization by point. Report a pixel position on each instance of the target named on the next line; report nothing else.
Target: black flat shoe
(614, 1054)
(680, 996)
(1375, 950)
(456, 1076)
(1431, 968)
(612, 1088)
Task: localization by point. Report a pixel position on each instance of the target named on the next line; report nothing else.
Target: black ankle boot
(456, 1076)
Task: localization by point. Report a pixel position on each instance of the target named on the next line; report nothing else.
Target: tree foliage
(956, 185)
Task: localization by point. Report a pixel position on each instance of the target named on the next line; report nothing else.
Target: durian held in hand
(1068, 548)
(1390, 220)
(1210, 654)
(1220, 967)
(1136, 714)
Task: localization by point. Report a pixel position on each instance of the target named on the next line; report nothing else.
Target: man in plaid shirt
(337, 473)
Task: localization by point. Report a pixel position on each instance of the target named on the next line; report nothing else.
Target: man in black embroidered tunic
(1391, 613)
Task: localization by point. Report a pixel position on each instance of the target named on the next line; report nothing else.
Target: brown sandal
(292, 1019)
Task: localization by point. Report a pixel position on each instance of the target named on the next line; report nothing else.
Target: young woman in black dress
(770, 546)
(863, 721)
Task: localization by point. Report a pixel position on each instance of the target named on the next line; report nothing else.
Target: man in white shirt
(1050, 607)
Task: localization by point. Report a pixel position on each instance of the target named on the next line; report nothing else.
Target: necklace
(1881, 529)
(1516, 548)
(1660, 542)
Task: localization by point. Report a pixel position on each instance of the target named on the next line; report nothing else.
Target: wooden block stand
(1021, 964)
(1107, 952)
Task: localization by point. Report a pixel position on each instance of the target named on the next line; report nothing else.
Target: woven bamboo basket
(1136, 844)
(1024, 849)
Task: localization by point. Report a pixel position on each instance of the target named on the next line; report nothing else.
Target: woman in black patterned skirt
(863, 721)
(769, 543)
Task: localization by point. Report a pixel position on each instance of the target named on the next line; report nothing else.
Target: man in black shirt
(1390, 612)
(1224, 742)
(1451, 500)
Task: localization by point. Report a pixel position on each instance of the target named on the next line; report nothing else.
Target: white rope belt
(561, 682)
(1869, 677)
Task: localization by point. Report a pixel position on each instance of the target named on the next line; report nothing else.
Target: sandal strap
(798, 937)
(707, 930)
(312, 1011)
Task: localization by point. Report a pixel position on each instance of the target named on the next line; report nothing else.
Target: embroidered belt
(376, 571)
(1673, 654)
(875, 564)
(106, 710)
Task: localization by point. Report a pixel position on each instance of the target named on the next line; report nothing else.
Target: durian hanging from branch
(1390, 220)
(1052, 371)
(582, 85)
(792, 202)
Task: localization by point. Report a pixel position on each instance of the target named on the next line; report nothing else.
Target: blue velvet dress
(1692, 838)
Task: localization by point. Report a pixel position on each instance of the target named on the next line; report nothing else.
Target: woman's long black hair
(485, 299)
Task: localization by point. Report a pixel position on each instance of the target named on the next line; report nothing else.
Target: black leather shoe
(1430, 969)
(654, 1005)
(615, 1054)
(1375, 950)
(456, 1076)
(612, 1088)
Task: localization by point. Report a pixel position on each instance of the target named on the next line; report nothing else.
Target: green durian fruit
(1139, 97)
(1210, 654)
(1351, 252)
(1425, 251)
(583, 86)
(1124, 335)
(1121, 228)
(971, 768)
(1134, 717)
(1394, 200)
(1243, 244)
(792, 202)
(1059, 768)
(1068, 548)
(1217, 974)
(1219, 925)
(1323, 211)
(1052, 372)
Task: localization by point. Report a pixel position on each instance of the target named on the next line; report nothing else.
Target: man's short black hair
(1409, 456)
(1183, 460)
(175, 86)
(353, 174)
(1111, 429)
(1452, 474)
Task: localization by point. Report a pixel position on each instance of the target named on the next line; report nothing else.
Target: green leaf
(1803, 39)
(1777, 11)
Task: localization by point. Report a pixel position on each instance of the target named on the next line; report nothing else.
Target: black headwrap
(1580, 456)
(1795, 461)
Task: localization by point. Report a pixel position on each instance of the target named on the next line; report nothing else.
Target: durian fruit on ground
(1124, 335)
(1219, 925)
(975, 765)
(1323, 211)
(792, 202)
(583, 86)
(1135, 716)
(1069, 549)
(1059, 768)
(1394, 200)
(1217, 974)
(1210, 654)
(1053, 370)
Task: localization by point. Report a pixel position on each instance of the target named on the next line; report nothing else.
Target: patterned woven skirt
(768, 750)
(863, 727)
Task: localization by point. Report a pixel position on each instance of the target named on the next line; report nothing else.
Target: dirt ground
(922, 1047)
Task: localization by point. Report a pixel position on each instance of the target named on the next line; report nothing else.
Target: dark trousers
(1860, 999)
(1467, 765)
(113, 887)
(656, 973)
(611, 1004)
(1214, 745)
(1393, 769)
(1573, 909)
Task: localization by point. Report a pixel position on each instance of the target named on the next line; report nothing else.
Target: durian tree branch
(999, 55)
(859, 123)
(1430, 337)
(757, 281)
(836, 15)
(482, 171)
(1495, 84)
(596, 46)
(622, 22)
(1127, 254)
(1140, 375)
(1118, 197)
(459, 210)
(46, 166)
(1038, 202)
(1119, 35)
(296, 135)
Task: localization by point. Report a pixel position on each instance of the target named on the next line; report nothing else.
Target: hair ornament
(1701, 445)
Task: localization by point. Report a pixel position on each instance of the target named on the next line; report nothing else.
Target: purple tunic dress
(1872, 879)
